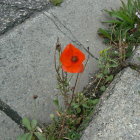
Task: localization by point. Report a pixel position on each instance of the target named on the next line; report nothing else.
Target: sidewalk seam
(12, 114)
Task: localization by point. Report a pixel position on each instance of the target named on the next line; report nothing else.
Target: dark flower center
(74, 59)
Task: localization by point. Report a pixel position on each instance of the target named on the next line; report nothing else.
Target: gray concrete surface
(9, 130)
(13, 12)
(26, 54)
(135, 58)
(27, 68)
(118, 115)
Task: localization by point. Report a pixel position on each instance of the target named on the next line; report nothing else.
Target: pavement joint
(11, 113)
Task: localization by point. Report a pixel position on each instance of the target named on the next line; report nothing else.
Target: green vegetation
(124, 28)
(66, 126)
(56, 2)
(33, 131)
(122, 35)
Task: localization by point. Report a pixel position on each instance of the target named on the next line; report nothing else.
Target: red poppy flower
(72, 59)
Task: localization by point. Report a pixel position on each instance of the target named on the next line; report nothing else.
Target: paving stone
(27, 68)
(9, 16)
(118, 115)
(135, 59)
(9, 130)
(13, 12)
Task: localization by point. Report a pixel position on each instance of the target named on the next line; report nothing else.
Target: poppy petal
(66, 56)
(79, 54)
(69, 51)
(74, 68)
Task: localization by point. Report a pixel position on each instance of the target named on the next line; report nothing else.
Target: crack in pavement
(67, 32)
(11, 113)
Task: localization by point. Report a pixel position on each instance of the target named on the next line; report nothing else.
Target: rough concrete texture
(28, 4)
(135, 59)
(9, 130)
(9, 16)
(13, 12)
(27, 68)
(26, 54)
(118, 115)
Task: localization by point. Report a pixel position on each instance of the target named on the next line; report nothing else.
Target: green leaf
(95, 101)
(124, 5)
(113, 65)
(78, 110)
(100, 75)
(56, 2)
(40, 136)
(51, 137)
(112, 21)
(75, 105)
(109, 78)
(26, 123)
(33, 124)
(106, 71)
(122, 16)
(102, 88)
(26, 136)
(85, 106)
(29, 137)
(105, 33)
(56, 102)
(52, 116)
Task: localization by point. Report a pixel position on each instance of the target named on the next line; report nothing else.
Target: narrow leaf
(104, 33)
(112, 21)
(56, 2)
(95, 101)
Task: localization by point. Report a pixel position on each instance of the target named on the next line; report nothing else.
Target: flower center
(74, 59)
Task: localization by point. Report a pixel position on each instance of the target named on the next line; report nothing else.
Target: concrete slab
(13, 12)
(10, 16)
(27, 68)
(26, 54)
(135, 58)
(118, 115)
(9, 130)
